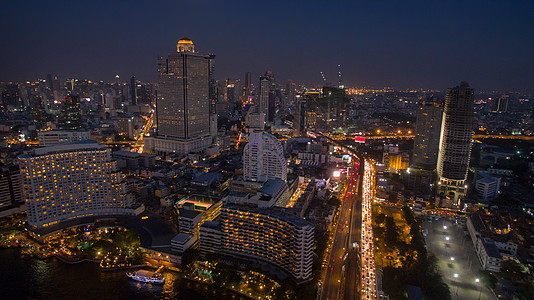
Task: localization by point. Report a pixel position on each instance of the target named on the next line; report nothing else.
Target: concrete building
(255, 121)
(487, 186)
(194, 210)
(54, 137)
(183, 104)
(70, 181)
(455, 143)
(263, 158)
(427, 134)
(10, 187)
(210, 237)
(269, 236)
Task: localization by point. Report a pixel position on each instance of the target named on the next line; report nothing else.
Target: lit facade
(183, 104)
(269, 235)
(263, 158)
(455, 143)
(427, 134)
(54, 137)
(71, 181)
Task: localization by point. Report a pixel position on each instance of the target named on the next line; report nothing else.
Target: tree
(189, 260)
(380, 218)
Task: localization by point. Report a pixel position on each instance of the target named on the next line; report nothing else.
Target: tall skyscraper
(133, 91)
(455, 144)
(427, 134)
(70, 115)
(70, 181)
(248, 80)
(263, 158)
(265, 89)
(183, 104)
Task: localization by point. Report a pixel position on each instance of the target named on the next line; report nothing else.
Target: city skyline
(377, 45)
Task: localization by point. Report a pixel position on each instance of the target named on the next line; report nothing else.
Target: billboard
(360, 139)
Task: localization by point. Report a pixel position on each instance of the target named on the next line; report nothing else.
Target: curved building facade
(71, 181)
(269, 235)
(263, 158)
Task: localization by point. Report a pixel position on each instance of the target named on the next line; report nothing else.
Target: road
(368, 268)
(336, 262)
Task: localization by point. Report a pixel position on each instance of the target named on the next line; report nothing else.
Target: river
(54, 279)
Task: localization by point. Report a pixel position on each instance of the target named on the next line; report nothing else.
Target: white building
(487, 186)
(54, 137)
(263, 158)
(70, 181)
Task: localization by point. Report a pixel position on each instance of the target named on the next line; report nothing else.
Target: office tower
(133, 91)
(248, 80)
(263, 158)
(183, 104)
(269, 236)
(455, 143)
(10, 186)
(427, 134)
(255, 121)
(49, 82)
(300, 116)
(71, 181)
(70, 115)
(265, 89)
(11, 96)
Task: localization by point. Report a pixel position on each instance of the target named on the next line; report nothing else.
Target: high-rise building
(70, 115)
(263, 158)
(54, 137)
(10, 186)
(265, 90)
(70, 181)
(248, 80)
(267, 235)
(183, 104)
(455, 144)
(501, 104)
(133, 91)
(427, 134)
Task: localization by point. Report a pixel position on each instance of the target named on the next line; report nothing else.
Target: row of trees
(419, 268)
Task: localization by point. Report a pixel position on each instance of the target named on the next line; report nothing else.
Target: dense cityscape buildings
(262, 176)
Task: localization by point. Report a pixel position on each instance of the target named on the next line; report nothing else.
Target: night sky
(417, 44)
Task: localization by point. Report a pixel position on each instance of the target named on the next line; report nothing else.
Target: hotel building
(71, 181)
(269, 236)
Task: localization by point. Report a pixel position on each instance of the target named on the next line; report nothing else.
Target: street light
(447, 238)
(445, 227)
(456, 275)
(452, 258)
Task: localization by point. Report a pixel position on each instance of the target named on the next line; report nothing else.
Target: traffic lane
(334, 272)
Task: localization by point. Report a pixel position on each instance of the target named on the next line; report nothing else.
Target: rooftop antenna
(339, 75)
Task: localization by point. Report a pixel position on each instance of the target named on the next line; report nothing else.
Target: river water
(54, 279)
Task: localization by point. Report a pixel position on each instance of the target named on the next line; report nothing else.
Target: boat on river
(147, 276)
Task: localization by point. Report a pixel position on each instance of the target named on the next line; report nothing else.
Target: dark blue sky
(429, 44)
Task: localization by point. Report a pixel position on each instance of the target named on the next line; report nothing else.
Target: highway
(336, 261)
(368, 269)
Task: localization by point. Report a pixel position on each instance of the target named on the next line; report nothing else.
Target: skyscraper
(427, 134)
(70, 181)
(247, 80)
(70, 115)
(455, 143)
(133, 91)
(263, 158)
(265, 89)
(183, 102)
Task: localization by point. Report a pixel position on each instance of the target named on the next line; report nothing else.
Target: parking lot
(457, 258)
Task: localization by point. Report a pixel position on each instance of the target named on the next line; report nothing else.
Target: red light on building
(359, 139)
